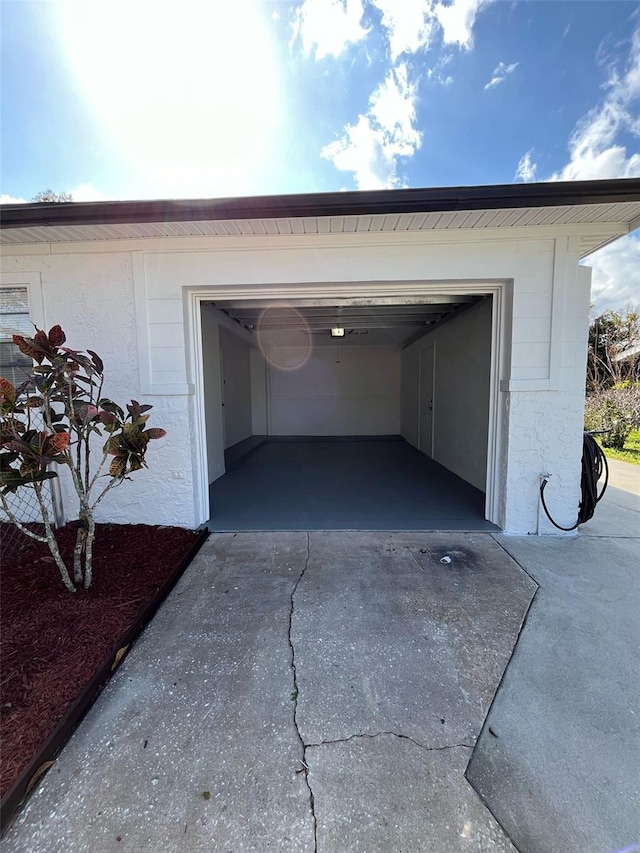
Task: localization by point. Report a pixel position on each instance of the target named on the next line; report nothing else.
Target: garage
(348, 413)
(475, 298)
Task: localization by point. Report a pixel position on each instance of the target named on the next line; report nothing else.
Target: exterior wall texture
(91, 297)
(130, 303)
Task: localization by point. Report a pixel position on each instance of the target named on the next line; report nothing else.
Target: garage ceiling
(388, 320)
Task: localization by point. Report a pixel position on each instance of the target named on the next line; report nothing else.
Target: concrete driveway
(297, 692)
(325, 692)
(561, 769)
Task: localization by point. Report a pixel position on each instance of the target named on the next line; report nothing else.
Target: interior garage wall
(236, 378)
(461, 392)
(340, 390)
(212, 374)
(259, 421)
(226, 348)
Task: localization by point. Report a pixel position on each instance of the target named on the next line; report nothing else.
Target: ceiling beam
(339, 302)
(341, 321)
(387, 311)
(357, 324)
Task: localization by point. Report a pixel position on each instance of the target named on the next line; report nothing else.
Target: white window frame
(35, 298)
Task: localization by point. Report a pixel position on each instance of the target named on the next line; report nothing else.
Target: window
(14, 319)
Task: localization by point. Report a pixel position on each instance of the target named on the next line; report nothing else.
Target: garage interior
(348, 414)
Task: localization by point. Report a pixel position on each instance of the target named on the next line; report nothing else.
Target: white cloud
(457, 20)
(412, 24)
(10, 199)
(594, 149)
(594, 152)
(371, 147)
(363, 151)
(87, 192)
(526, 170)
(197, 86)
(409, 24)
(616, 274)
(328, 27)
(392, 107)
(501, 72)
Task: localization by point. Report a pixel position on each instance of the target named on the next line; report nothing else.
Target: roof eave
(361, 203)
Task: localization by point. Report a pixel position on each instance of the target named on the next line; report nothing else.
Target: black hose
(594, 462)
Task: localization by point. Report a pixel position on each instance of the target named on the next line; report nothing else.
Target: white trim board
(499, 349)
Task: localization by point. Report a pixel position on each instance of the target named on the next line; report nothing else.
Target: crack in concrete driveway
(323, 690)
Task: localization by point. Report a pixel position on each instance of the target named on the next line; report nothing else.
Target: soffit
(459, 220)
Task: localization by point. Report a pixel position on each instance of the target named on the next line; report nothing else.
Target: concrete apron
(297, 692)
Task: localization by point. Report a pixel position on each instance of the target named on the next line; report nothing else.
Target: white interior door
(223, 395)
(427, 364)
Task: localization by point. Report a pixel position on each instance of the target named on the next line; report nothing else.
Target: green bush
(616, 410)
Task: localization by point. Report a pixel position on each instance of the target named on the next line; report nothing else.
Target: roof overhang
(599, 210)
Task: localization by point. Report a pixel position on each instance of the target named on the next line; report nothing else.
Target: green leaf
(118, 467)
(97, 361)
(155, 432)
(7, 391)
(136, 464)
(113, 445)
(29, 467)
(34, 402)
(28, 347)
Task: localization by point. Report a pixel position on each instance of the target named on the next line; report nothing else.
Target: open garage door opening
(348, 413)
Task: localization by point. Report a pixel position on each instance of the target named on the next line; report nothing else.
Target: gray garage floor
(343, 485)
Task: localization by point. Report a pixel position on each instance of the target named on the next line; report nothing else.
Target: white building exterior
(133, 288)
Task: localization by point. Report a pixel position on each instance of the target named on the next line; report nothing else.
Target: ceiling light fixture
(337, 332)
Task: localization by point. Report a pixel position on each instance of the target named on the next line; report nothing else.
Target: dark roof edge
(364, 203)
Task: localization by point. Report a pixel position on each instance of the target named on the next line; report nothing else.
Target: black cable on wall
(594, 462)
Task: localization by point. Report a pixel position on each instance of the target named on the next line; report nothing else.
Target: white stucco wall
(337, 391)
(461, 392)
(130, 301)
(546, 426)
(91, 297)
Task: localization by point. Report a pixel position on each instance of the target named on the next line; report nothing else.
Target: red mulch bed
(53, 642)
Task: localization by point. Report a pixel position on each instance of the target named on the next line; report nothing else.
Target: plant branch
(51, 540)
(19, 524)
(110, 485)
(97, 474)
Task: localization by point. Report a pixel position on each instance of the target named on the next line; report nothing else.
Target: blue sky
(131, 99)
